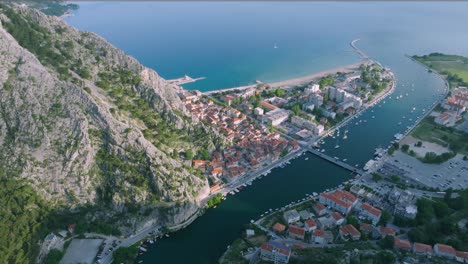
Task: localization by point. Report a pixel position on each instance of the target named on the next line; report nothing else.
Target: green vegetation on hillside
(22, 217)
(120, 85)
(57, 9)
(453, 66)
(213, 201)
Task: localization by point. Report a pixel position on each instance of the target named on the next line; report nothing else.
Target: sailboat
(345, 136)
(337, 139)
(275, 47)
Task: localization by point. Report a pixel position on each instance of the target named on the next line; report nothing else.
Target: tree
(54, 256)
(418, 144)
(405, 148)
(395, 178)
(296, 108)
(441, 209)
(384, 257)
(376, 177)
(125, 255)
(385, 217)
(189, 154)
(203, 154)
(352, 221)
(279, 92)
(387, 242)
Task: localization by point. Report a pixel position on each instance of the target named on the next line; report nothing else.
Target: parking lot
(82, 251)
(450, 174)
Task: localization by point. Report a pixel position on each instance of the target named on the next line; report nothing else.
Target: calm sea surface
(232, 44)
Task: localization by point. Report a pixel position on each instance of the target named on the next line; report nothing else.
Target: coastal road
(234, 185)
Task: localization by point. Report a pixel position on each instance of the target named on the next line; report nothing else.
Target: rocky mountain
(82, 123)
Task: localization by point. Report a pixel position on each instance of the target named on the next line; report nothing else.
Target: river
(232, 44)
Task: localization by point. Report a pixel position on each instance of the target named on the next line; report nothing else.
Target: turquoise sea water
(232, 44)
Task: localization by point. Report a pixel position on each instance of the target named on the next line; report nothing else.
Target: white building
(277, 116)
(340, 96)
(302, 123)
(442, 250)
(316, 99)
(291, 216)
(370, 212)
(276, 252)
(258, 111)
(308, 106)
(313, 88)
(318, 130)
(330, 114)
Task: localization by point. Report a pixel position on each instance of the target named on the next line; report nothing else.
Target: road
(234, 185)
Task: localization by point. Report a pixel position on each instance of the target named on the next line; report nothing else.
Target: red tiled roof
(279, 227)
(335, 199)
(266, 246)
(296, 230)
(310, 223)
(347, 195)
(214, 187)
(318, 233)
(268, 105)
(369, 208)
(387, 230)
(461, 254)
(445, 249)
(299, 246)
(402, 244)
(337, 216)
(366, 227)
(419, 247)
(352, 230)
(319, 207)
(283, 251)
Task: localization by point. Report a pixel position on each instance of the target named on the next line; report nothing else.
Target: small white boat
(306, 159)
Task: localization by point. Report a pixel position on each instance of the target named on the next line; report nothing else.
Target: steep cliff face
(83, 122)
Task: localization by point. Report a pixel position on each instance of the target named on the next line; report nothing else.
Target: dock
(334, 161)
(184, 80)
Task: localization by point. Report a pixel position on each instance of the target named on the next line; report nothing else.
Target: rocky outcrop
(71, 121)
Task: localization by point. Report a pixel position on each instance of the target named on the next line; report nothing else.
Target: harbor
(296, 180)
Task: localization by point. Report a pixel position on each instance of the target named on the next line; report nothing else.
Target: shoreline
(144, 234)
(293, 81)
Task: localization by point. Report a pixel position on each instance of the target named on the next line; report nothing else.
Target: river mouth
(311, 37)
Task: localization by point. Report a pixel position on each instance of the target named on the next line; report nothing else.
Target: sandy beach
(311, 77)
(296, 81)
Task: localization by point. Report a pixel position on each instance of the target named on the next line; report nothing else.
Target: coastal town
(263, 124)
(403, 209)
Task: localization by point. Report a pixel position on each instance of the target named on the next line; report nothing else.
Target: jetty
(357, 50)
(184, 80)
